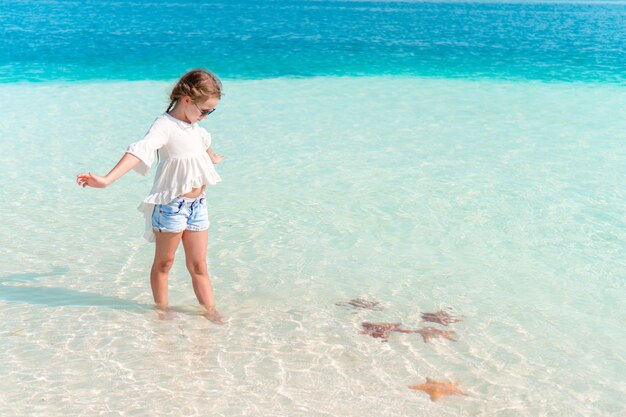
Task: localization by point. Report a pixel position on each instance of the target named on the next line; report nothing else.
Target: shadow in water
(30, 277)
(54, 297)
(58, 296)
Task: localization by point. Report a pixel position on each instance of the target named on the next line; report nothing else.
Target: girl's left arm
(215, 157)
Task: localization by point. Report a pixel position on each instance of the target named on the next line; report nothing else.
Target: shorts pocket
(168, 218)
(172, 208)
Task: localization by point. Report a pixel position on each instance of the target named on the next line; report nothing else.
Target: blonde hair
(199, 84)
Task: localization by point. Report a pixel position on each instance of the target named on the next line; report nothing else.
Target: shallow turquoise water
(500, 200)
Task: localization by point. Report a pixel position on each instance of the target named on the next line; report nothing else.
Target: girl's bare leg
(164, 253)
(195, 244)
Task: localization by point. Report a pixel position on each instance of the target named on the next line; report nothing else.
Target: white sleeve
(156, 137)
(206, 138)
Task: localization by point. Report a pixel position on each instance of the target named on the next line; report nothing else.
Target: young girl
(176, 208)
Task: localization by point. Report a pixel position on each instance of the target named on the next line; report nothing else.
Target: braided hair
(199, 84)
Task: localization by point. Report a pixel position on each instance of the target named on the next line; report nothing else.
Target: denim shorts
(181, 214)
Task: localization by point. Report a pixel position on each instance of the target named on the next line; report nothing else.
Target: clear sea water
(467, 156)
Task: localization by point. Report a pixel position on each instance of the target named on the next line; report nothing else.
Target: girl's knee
(164, 265)
(197, 267)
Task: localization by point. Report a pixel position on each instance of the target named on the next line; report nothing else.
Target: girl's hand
(91, 180)
(217, 158)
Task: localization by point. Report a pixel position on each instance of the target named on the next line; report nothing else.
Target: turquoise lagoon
(490, 186)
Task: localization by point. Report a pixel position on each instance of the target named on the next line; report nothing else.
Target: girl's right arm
(128, 162)
(139, 152)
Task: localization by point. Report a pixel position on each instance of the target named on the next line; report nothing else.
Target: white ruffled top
(183, 162)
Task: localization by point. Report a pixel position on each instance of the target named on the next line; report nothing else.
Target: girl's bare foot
(165, 313)
(211, 314)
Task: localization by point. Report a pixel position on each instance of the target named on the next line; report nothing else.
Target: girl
(176, 208)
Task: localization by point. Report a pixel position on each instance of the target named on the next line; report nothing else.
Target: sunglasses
(203, 112)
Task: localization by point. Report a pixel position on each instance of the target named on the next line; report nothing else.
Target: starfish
(381, 330)
(440, 317)
(438, 389)
(430, 332)
(361, 303)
